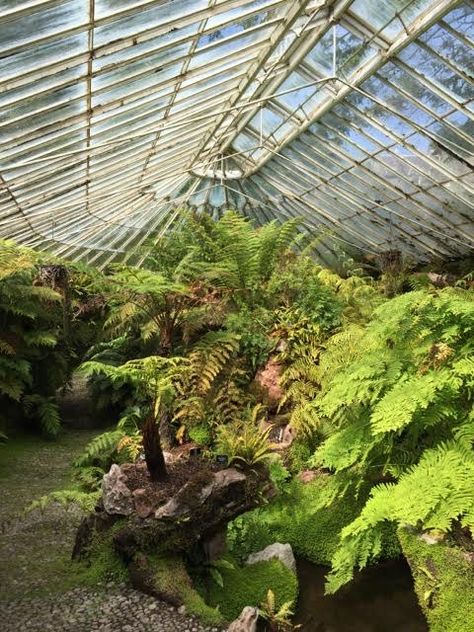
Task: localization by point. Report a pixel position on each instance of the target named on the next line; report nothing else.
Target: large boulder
(247, 621)
(193, 515)
(282, 552)
(116, 496)
(201, 508)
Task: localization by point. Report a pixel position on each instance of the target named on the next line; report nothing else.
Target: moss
(171, 577)
(248, 586)
(102, 563)
(444, 583)
(299, 454)
(294, 518)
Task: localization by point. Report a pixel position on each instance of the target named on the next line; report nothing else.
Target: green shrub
(444, 583)
(248, 586)
(200, 434)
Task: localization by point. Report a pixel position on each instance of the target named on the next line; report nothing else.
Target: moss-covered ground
(444, 583)
(296, 518)
(35, 548)
(248, 586)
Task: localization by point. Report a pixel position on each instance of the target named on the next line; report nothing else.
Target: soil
(181, 471)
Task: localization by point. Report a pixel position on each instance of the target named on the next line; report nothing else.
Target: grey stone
(221, 481)
(282, 552)
(247, 621)
(143, 505)
(116, 496)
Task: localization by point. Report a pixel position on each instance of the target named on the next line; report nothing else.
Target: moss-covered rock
(166, 577)
(444, 583)
(296, 518)
(102, 563)
(248, 586)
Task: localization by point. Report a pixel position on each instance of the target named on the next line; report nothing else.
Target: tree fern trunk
(154, 458)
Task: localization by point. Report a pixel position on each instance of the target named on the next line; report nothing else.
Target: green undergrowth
(248, 586)
(296, 517)
(444, 583)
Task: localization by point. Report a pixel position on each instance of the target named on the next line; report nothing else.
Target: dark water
(380, 599)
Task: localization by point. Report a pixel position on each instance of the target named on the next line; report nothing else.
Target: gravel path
(38, 593)
(81, 610)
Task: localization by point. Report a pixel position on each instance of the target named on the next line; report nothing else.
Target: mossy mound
(171, 577)
(444, 583)
(248, 586)
(295, 518)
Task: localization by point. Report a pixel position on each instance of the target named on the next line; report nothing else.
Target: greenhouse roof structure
(355, 115)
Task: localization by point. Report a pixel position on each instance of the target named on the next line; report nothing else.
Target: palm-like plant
(245, 441)
(278, 619)
(154, 380)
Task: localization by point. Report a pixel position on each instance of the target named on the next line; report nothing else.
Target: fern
(86, 500)
(433, 493)
(100, 449)
(45, 410)
(401, 408)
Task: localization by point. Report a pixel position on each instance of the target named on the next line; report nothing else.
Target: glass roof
(356, 115)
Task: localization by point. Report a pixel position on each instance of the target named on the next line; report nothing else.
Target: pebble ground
(37, 590)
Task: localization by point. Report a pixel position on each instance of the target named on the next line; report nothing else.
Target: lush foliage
(296, 517)
(400, 402)
(48, 318)
(248, 586)
(215, 299)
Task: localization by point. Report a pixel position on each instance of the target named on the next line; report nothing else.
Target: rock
(221, 483)
(433, 536)
(268, 379)
(199, 510)
(306, 476)
(168, 456)
(116, 497)
(182, 610)
(143, 506)
(215, 546)
(282, 552)
(247, 621)
(222, 480)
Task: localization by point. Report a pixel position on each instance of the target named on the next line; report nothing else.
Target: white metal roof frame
(356, 115)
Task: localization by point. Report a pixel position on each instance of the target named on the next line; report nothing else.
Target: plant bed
(145, 522)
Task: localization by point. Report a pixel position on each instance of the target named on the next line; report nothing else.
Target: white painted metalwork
(356, 115)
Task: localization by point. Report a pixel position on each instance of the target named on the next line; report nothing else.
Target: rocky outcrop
(201, 508)
(116, 497)
(268, 381)
(193, 520)
(282, 552)
(247, 621)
